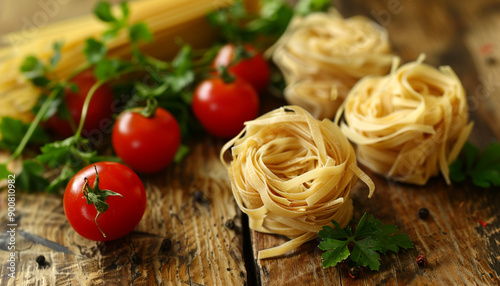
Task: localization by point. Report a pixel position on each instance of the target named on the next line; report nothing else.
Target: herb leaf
(31, 178)
(4, 172)
(483, 169)
(339, 251)
(94, 50)
(35, 70)
(305, 7)
(140, 32)
(13, 131)
(370, 239)
(56, 57)
(103, 11)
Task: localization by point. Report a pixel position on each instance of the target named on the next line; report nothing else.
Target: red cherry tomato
(147, 145)
(222, 108)
(99, 111)
(254, 70)
(124, 212)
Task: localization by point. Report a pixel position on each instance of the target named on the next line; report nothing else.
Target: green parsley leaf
(4, 172)
(35, 70)
(109, 68)
(483, 169)
(370, 239)
(365, 253)
(56, 154)
(94, 50)
(457, 173)
(30, 178)
(339, 251)
(62, 179)
(13, 131)
(181, 153)
(56, 56)
(305, 7)
(272, 20)
(125, 10)
(140, 32)
(103, 11)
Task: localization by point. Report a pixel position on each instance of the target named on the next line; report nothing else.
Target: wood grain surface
(194, 234)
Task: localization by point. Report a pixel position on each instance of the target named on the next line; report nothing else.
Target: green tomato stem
(85, 107)
(43, 109)
(157, 62)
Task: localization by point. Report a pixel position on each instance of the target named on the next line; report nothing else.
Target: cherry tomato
(222, 107)
(124, 212)
(147, 145)
(99, 111)
(254, 69)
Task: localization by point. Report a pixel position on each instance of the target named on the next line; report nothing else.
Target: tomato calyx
(240, 53)
(97, 197)
(150, 109)
(225, 75)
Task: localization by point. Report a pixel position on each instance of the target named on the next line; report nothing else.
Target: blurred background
(27, 15)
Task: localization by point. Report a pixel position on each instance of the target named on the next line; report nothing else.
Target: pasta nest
(326, 48)
(292, 174)
(409, 125)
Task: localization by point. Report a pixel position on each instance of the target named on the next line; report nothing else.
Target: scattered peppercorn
(423, 213)
(354, 271)
(41, 261)
(229, 224)
(136, 259)
(165, 247)
(421, 260)
(491, 61)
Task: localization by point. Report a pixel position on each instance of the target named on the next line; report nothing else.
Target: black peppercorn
(41, 261)
(229, 224)
(423, 213)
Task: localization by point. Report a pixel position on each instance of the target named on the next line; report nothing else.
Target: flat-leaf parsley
(483, 170)
(369, 239)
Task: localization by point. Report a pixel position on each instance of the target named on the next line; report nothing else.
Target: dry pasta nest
(292, 174)
(409, 125)
(326, 49)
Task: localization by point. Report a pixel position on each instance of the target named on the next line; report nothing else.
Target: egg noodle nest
(292, 174)
(322, 55)
(408, 125)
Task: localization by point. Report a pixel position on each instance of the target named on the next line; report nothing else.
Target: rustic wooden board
(190, 234)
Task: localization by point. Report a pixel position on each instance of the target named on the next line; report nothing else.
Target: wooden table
(193, 233)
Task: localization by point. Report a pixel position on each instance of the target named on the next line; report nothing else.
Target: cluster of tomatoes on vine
(147, 139)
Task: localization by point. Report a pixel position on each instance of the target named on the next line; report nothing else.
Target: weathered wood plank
(460, 251)
(190, 234)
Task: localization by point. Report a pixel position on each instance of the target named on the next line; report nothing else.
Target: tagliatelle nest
(292, 174)
(328, 49)
(409, 125)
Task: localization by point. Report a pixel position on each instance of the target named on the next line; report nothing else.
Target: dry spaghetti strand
(409, 125)
(292, 174)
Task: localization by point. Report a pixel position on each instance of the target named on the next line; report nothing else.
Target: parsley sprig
(238, 25)
(482, 169)
(369, 239)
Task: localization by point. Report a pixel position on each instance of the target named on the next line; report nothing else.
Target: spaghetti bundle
(330, 50)
(292, 174)
(409, 125)
(168, 20)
